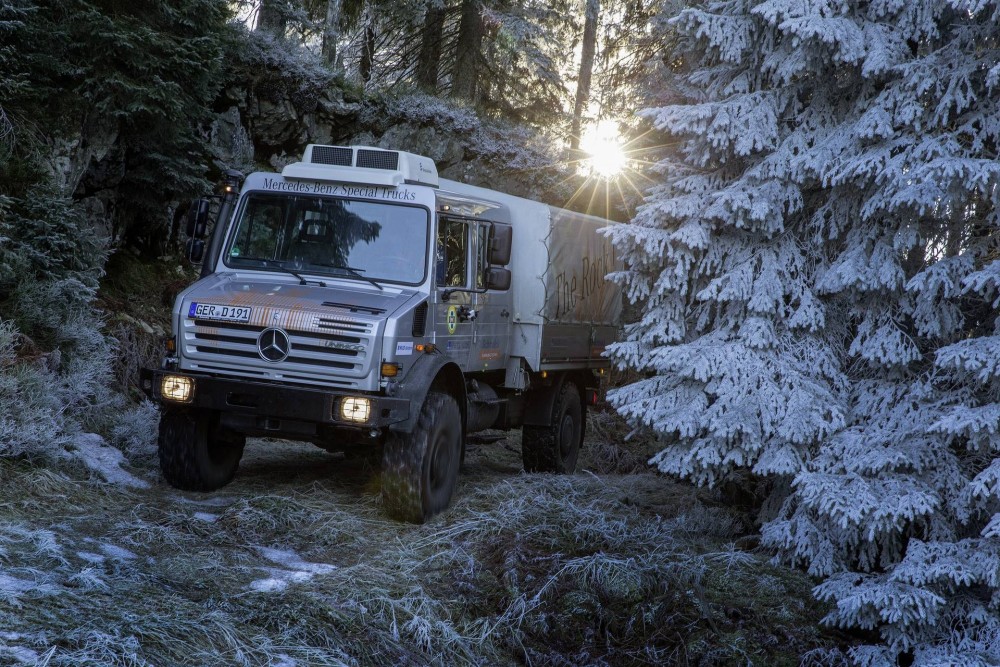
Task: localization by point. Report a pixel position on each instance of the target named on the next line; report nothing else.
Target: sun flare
(605, 150)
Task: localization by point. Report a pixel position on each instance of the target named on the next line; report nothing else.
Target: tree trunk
(586, 70)
(430, 47)
(465, 74)
(272, 17)
(331, 33)
(368, 50)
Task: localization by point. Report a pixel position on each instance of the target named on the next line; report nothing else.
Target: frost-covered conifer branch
(817, 268)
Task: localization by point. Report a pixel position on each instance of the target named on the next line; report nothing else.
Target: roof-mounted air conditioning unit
(362, 164)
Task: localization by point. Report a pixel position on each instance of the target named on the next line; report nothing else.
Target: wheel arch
(432, 372)
(539, 409)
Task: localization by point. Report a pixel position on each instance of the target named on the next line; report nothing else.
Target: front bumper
(271, 401)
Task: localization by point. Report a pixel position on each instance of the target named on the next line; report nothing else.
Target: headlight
(177, 388)
(355, 410)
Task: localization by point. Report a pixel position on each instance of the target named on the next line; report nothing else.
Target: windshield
(333, 237)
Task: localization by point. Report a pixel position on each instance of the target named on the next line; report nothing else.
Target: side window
(452, 253)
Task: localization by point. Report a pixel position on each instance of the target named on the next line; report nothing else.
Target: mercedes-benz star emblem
(273, 345)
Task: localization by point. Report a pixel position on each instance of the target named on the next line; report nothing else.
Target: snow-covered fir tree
(820, 267)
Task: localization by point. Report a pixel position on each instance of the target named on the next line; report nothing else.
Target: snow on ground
(117, 553)
(112, 551)
(210, 501)
(90, 557)
(91, 450)
(297, 571)
(12, 588)
(19, 654)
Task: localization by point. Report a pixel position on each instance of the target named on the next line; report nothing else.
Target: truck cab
(356, 300)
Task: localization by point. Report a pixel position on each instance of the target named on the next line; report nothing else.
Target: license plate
(212, 311)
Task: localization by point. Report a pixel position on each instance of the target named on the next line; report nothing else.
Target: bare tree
(272, 16)
(468, 52)
(368, 45)
(431, 39)
(331, 32)
(593, 12)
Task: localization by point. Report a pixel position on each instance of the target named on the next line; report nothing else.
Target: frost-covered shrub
(46, 238)
(275, 67)
(477, 150)
(58, 316)
(52, 391)
(32, 418)
(135, 348)
(419, 109)
(56, 367)
(818, 259)
(134, 431)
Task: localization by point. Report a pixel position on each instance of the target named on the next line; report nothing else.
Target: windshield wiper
(304, 281)
(351, 271)
(281, 266)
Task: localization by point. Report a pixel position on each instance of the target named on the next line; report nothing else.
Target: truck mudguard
(428, 370)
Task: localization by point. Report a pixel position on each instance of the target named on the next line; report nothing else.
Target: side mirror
(501, 240)
(497, 278)
(195, 251)
(197, 219)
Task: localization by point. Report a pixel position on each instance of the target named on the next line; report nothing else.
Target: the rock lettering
(584, 287)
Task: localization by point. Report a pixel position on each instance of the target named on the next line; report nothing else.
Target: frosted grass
(298, 566)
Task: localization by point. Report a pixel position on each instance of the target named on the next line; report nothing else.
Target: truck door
(454, 302)
(491, 340)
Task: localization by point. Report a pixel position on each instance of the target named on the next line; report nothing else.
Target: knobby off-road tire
(420, 469)
(195, 454)
(556, 447)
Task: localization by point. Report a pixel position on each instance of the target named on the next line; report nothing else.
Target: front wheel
(195, 453)
(420, 469)
(556, 447)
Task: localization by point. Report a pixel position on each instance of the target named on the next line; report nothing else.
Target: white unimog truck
(357, 300)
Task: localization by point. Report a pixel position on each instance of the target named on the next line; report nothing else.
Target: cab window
(260, 235)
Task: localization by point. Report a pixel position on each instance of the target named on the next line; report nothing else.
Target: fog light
(177, 388)
(355, 410)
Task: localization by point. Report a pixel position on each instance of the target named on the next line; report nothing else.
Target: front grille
(378, 159)
(225, 369)
(343, 327)
(333, 155)
(338, 349)
(305, 379)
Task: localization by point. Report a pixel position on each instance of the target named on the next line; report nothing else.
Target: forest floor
(295, 564)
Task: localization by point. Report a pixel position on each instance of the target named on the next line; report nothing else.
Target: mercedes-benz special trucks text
(357, 300)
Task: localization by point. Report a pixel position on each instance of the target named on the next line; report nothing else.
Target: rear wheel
(556, 447)
(195, 453)
(420, 469)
